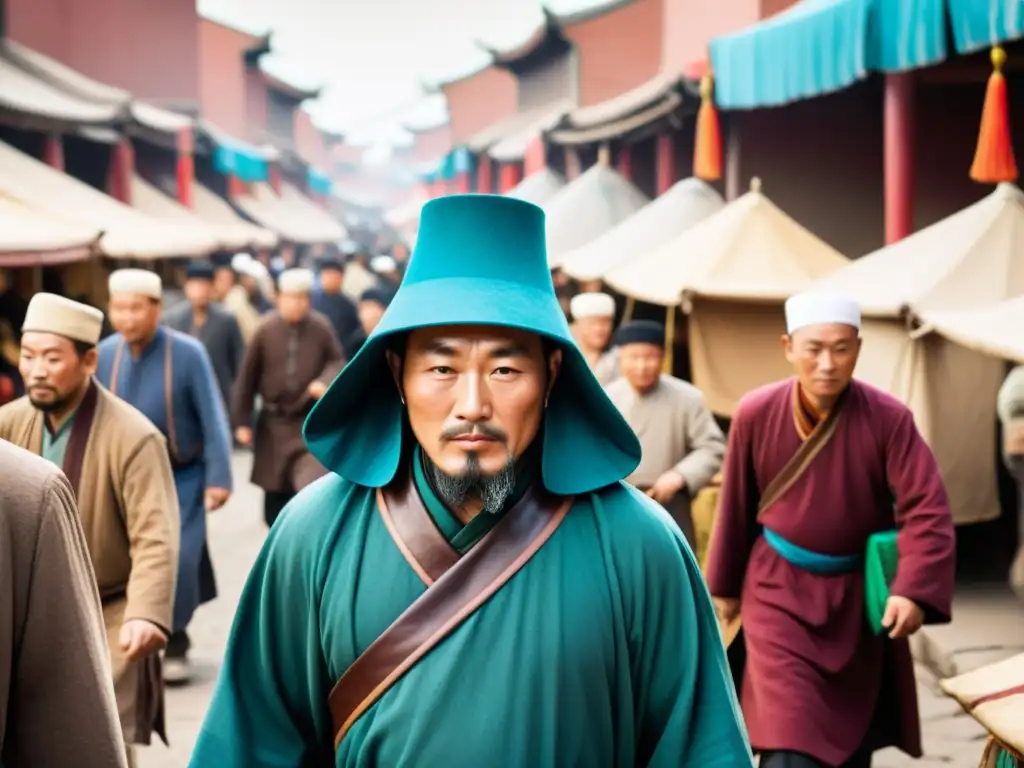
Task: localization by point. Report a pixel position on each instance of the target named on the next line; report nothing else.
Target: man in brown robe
(682, 444)
(815, 466)
(116, 461)
(292, 358)
(56, 703)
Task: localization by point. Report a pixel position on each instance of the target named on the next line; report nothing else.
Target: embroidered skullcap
(295, 281)
(592, 305)
(640, 332)
(200, 270)
(50, 313)
(383, 264)
(821, 308)
(140, 281)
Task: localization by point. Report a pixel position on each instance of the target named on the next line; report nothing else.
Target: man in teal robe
(471, 403)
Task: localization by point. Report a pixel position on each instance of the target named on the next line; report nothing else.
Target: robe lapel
(74, 456)
(34, 438)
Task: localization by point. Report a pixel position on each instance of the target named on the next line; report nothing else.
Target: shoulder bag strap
(115, 368)
(449, 601)
(172, 442)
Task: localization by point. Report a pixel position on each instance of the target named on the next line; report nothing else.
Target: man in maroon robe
(818, 688)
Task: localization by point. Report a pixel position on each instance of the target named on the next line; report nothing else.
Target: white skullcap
(295, 281)
(240, 261)
(50, 313)
(821, 308)
(592, 305)
(140, 281)
(383, 264)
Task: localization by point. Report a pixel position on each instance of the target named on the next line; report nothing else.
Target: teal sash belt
(813, 562)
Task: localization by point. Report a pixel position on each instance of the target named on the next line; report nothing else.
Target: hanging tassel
(993, 159)
(707, 150)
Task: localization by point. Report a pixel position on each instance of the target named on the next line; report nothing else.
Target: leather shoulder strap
(414, 532)
(115, 367)
(802, 459)
(453, 598)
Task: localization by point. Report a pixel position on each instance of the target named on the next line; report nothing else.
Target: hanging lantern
(707, 150)
(993, 158)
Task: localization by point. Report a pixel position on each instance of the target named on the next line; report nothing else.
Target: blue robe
(201, 430)
(603, 651)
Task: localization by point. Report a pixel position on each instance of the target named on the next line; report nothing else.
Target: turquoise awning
(978, 24)
(318, 182)
(820, 46)
(241, 162)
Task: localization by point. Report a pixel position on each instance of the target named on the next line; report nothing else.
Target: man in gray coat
(215, 327)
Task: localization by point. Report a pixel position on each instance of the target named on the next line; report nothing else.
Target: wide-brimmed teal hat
(479, 260)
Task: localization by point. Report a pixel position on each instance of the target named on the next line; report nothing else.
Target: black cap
(640, 332)
(381, 296)
(199, 270)
(330, 262)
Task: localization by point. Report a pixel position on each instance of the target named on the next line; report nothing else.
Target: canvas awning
(967, 260)
(292, 215)
(155, 122)
(517, 125)
(686, 203)
(994, 331)
(128, 233)
(512, 146)
(234, 231)
(30, 97)
(539, 187)
(587, 207)
(750, 250)
(29, 238)
(624, 114)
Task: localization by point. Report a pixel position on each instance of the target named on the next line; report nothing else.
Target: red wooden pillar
(121, 171)
(485, 175)
(534, 159)
(509, 175)
(462, 182)
(899, 156)
(186, 167)
(572, 163)
(53, 151)
(274, 175)
(236, 187)
(624, 162)
(665, 162)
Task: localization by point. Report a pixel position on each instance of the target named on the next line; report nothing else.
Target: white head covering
(50, 313)
(140, 281)
(821, 308)
(383, 263)
(592, 305)
(295, 281)
(240, 261)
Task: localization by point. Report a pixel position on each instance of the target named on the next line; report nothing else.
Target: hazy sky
(371, 56)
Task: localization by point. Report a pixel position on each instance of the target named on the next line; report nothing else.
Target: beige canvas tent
(997, 330)
(31, 238)
(587, 207)
(668, 215)
(972, 259)
(290, 215)
(539, 187)
(235, 231)
(732, 273)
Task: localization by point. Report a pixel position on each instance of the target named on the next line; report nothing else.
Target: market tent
(994, 331)
(587, 207)
(732, 273)
(971, 260)
(539, 187)
(232, 229)
(291, 215)
(127, 233)
(29, 238)
(150, 200)
(668, 215)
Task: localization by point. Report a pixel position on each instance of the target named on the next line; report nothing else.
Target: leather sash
(457, 587)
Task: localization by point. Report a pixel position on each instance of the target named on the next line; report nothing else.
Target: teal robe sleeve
(213, 418)
(687, 711)
(269, 708)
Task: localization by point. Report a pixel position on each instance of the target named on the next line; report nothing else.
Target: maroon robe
(814, 670)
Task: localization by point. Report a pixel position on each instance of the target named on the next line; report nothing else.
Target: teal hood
(479, 260)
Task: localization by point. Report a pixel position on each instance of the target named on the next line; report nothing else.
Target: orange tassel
(993, 159)
(707, 150)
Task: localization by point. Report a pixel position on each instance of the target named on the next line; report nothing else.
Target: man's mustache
(458, 431)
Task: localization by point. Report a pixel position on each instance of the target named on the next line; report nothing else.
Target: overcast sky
(371, 56)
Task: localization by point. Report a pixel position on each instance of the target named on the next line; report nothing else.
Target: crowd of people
(480, 546)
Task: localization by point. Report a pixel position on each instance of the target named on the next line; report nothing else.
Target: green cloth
(603, 650)
(55, 444)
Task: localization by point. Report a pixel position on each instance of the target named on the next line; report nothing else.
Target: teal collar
(463, 537)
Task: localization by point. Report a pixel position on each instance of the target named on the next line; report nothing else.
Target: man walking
(816, 466)
(116, 462)
(291, 360)
(474, 585)
(593, 316)
(168, 377)
(331, 302)
(201, 318)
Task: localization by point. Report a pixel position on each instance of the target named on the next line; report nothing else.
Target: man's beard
(491, 490)
(57, 405)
